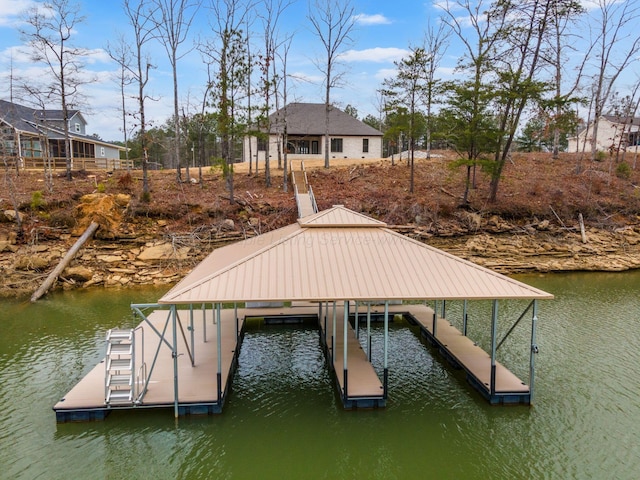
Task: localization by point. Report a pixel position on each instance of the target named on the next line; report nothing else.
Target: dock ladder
(119, 367)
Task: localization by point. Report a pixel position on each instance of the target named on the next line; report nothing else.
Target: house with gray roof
(29, 135)
(615, 133)
(300, 128)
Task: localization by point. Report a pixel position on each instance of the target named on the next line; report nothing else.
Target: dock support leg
(369, 331)
(534, 350)
(357, 322)
(333, 334)
(386, 349)
(435, 318)
(345, 350)
(193, 340)
(494, 334)
(464, 318)
(204, 323)
(219, 348)
(174, 354)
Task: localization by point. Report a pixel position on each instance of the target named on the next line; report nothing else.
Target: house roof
(339, 254)
(309, 119)
(31, 120)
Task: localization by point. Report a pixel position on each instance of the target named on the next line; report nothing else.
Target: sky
(383, 33)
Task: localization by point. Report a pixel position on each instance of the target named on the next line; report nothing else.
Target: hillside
(536, 214)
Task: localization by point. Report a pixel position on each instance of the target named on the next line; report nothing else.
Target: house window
(77, 127)
(315, 147)
(102, 151)
(336, 145)
(365, 145)
(262, 145)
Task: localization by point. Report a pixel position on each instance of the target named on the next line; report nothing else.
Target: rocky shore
(165, 259)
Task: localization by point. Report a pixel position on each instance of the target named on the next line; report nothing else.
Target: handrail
(313, 200)
(295, 187)
(143, 363)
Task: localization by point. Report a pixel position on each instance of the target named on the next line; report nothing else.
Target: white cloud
(377, 19)
(377, 55)
(11, 11)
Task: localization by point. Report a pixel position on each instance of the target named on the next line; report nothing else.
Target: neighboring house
(614, 133)
(305, 129)
(29, 136)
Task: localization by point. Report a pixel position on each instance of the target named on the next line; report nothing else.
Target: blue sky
(384, 31)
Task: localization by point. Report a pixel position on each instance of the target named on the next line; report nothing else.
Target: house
(29, 136)
(614, 133)
(305, 135)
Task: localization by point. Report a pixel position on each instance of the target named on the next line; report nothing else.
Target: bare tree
(138, 15)
(49, 28)
(435, 43)
(333, 22)
(616, 46)
(172, 20)
(122, 54)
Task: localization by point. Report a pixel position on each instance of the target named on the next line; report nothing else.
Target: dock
(194, 376)
(198, 391)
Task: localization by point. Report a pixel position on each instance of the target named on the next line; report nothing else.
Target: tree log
(55, 273)
(582, 232)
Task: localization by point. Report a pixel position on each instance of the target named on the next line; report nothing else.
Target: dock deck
(464, 353)
(197, 385)
(360, 387)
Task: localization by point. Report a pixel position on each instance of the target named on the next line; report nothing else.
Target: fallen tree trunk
(55, 273)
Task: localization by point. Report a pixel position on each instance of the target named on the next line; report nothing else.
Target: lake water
(283, 419)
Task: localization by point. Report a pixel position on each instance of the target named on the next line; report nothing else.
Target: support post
(204, 322)
(434, 327)
(219, 348)
(464, 318)
(235, 315)
(333, 334)
(356, 321)
(193, 340)
(369, 331)
(444, 309)
(345, 349)
(534, 350)
(494, 334)
(174, 354)
(386, 349)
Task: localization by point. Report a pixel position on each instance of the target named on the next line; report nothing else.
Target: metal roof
(339, 254)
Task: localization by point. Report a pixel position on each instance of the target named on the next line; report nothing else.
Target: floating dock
(194, 374)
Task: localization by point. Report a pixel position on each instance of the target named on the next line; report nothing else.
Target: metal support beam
(369, 331)
(356, 321)
(174, 355)
(192, 335)
(333, 334)
(345, 350)
(515, 324)
(494, 334)
(434, 327)
(464, 318)
(386, 349)
(534, 350)
(204, 322)
(219, 348)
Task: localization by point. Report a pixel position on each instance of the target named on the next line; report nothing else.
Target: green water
(283, 419)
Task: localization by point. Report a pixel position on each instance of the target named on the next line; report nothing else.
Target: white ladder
(119, 367)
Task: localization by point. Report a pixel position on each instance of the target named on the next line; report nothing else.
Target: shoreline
(164, 261)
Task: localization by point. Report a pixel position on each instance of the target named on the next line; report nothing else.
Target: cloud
(377, 19)
(12, 10)
(377, 55)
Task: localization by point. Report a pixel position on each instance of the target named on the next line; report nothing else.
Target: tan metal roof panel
(339, 263)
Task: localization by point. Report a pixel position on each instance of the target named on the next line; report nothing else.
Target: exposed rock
(30, 262)
(228, 224)
(78, 273)
(10, 215)
(163, 251)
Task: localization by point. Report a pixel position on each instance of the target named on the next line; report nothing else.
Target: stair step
(119, 334)
(119, 364)
(120, 349)
(119, 380)
(120, 396)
